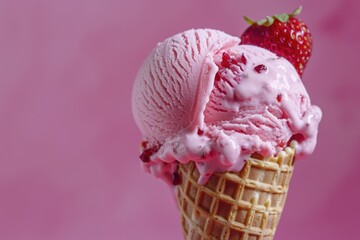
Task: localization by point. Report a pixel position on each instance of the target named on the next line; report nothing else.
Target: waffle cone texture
(245, 205)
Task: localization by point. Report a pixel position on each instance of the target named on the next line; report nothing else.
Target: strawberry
(284, 35)
(147, 152)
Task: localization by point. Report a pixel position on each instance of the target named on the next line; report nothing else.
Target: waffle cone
(244, 205)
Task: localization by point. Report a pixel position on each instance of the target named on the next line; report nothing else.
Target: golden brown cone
(245, 205)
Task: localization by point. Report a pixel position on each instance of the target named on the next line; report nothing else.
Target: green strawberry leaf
(296, 11)
(248, 20)
(282, 17)
(268, 21)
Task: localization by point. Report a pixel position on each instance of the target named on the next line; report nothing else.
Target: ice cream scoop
(166, 88)
(202, 97)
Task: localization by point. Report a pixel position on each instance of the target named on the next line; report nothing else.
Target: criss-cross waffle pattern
(243, 205)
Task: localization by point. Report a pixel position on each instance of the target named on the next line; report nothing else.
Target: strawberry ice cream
(202, 97)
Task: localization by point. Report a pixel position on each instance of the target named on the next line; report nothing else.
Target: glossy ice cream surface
(200, 96)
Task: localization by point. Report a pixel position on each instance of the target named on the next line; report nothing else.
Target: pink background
(69, 165)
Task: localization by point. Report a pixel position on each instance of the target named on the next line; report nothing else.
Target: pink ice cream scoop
(202, 97)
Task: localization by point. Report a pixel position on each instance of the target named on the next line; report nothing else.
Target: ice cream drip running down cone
(235, 205)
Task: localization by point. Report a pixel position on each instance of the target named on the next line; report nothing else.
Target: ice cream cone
(245, 205)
